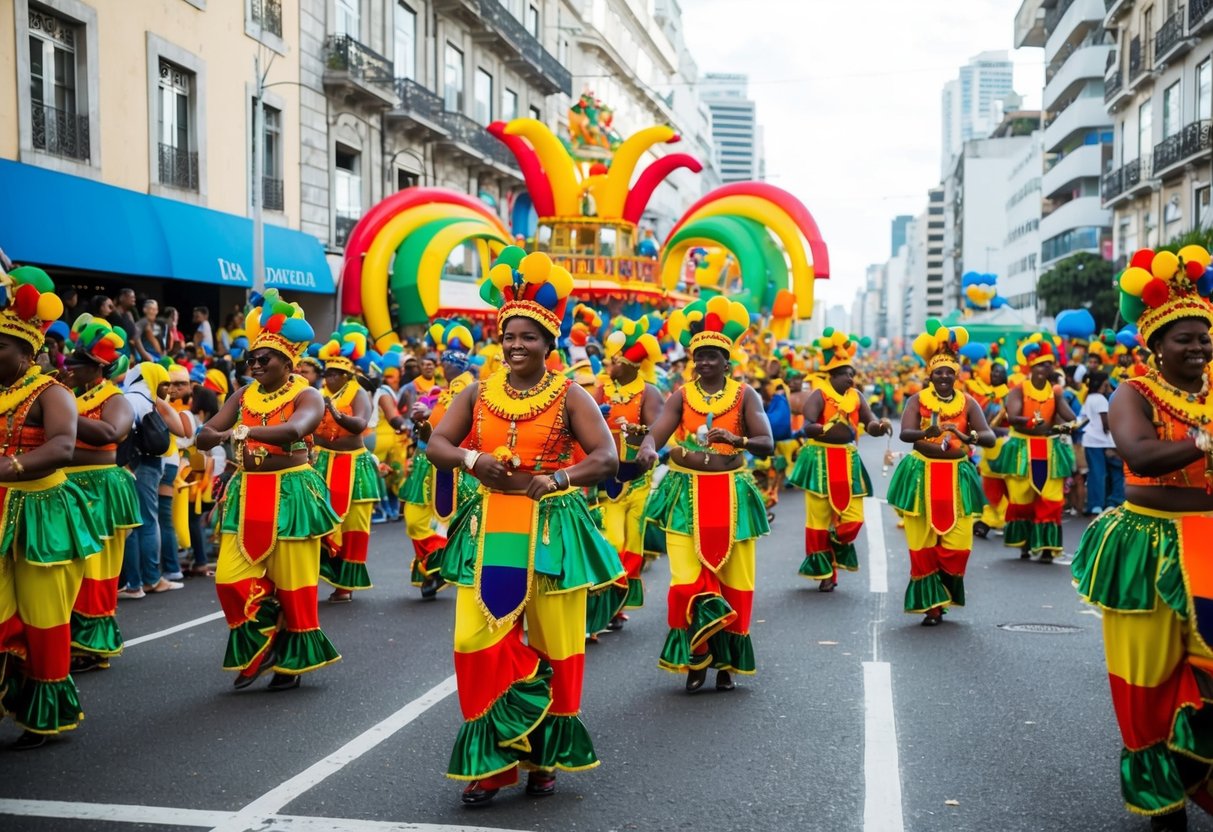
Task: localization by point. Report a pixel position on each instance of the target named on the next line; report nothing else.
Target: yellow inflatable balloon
(612, 197)
(556, 161)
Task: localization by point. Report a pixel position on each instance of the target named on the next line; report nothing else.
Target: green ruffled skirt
(111, 497)
(810, 472)
(368, 488)
(670, 508)
(908, 487)
(416, 487)
(1013, 460)
(54, 525)
(303, 511)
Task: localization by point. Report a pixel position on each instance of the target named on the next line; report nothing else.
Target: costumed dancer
(1145, 564)
(383, 433)
(431, 495)
(348, 468)
(708, 505)
(630, 403)
(991, 394)
(936, 488)
(275, 509)
(1035, 461)
(105, 420)
(829, 468)
(47, 530)
(524, 544)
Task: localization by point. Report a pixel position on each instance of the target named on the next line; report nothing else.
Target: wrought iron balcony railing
(499, 18)
(415, 98)
(60, 132)
(268, 14)
(1112, 85)
(1197, 9)
(343, 53)
(1054, 14)
(1169, 34)
(1136, 63)
(271, 194)
(471, 134)
(1197, 138)
(178, 167)
(1168, 151)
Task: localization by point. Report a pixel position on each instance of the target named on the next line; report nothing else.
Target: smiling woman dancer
(708, 505)
(275, 510)
(936, 489)
(525, 544)
(1146, 564)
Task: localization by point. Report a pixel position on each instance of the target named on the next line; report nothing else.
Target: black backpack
(149, 437)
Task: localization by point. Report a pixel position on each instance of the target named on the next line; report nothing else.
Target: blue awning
(54, 219)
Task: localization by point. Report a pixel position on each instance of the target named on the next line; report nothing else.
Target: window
(509, 105)
(404, 179)
(1145, 129)
(452, 80)
(532, 21)
(1201, 206)
(405, 54)
(1204, 90)
(347, 193)
(348, 18)
(58, 126)
(178, 160)
(267, 15)
(1172, 119)
(271, 160)
(483, 97)
(535, 114)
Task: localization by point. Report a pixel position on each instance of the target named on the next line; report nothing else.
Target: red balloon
(27, 301)
(598, 169)
(275, 322)
(1156, 293)
(712, 323)
(1194, 270)
(1142, 259)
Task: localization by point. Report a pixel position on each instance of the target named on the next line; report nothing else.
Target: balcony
(1085, 162)
(178, 168)
(1082, 114)
(358, 72)
(506, 35)
(1082, 65)
(1175, 152)
(1113, 185)
(418, 110)
(1170, 42)
(1083, 212)
(470, 138)
(59, 132)
(1199, 18)
(1069, 24)
(1114, 10)
(1114, 92)
(1053, 15)
(271, 194)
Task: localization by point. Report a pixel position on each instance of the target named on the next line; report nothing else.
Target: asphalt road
(994, 729)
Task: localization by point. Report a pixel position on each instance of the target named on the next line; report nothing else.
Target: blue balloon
(1205, 285)
(1075, 323)
(973, 351)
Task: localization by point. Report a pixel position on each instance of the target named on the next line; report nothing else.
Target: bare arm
(911, 429)
(758, 441)
(590, 432)
(661, 430)
(56, 406)
(1063, 408)
(219, 428)
(874, 426)
(977, 424)
(115, 423)
(650, 408)
(172, 419)
(309, 410)
(387, 407)
(357, 421)
(813, 405)
(1137, 442)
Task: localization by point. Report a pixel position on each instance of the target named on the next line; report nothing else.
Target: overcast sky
(848, 93)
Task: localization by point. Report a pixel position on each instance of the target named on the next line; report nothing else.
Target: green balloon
(1131, 307)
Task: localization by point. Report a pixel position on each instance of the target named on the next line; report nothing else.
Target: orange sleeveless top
(928, 417)
(1171, 426)
(1043, 411)
(278, 416)
(94, 413)
(328, 429)
(629, 411)
(539, 436)
(848, 407)
(456, 386)
(730, 420)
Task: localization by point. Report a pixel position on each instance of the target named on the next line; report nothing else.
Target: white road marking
(205, 819)
(881, 767)
(1093, 612)
(132, 642)
(878, 558)
(254, 815)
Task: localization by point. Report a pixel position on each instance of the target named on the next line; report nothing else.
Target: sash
(259, 500)
(505, 555)
(714, 509)
(1195, 531)
(445, 487)
(942, 494)
(340, 478)
(838, 476)
(1038, 462)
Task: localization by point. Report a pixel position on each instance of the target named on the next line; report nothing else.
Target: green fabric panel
(1125, 561)
(924, 593)
(670, 507)
(303, 511)
(810, 473)
(562, 742)
(732, 651)
(482, 744)
(908, 487)
(110, 497)
(299, 652)
(343, 574)
(54, 525)
(98, 635)
(368, 488)
(43, 707)
(506, 549)
(817, 566)
(1013, 459)
(1150, 782)
(416, 487)
(247, 640)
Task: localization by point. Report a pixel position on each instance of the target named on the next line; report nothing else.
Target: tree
(1202, 237)
(1081, 280)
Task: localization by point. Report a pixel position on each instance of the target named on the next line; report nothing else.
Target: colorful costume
(271, 525)
(832, 475)
(711, 521)
(511, 557)
(1149, 572)
(352, 476)
(992, 398)
(47, 533)
(937, 499)
(110, 492)
(1035, 467)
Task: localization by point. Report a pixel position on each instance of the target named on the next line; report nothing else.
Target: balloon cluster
(939, 339)
(586, 324)
(450, 335)
(981, 291)
(30, 295)
(106, 345)
(1039, 347)
(518, 277)
(718, 314)
(1152, 278)
(272, 316)
(1075, 324)
(348, 342)
(633, 340)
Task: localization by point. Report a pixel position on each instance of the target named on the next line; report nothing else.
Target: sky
(848, 94)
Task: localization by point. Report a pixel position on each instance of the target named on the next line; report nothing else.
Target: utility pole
(258, 177)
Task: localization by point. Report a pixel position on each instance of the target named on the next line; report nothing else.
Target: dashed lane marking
(878, 557)
(133, 642)
(881, 764)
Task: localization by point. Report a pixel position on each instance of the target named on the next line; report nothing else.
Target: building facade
(1020, 266)
(1159, 93)
(735, 129)
(971, 104)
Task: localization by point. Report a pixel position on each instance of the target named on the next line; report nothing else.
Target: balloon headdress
(344, 348)
(940, 346)
(1160, 288)
(586, 324)
(715, 322)
(216, 381)
(529, 286)
(30, 305)
(454, 341)
(1039, 348)
(632, 342)
(95, 340)
(838, 349)
(277, 325)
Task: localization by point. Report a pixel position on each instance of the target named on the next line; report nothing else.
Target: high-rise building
(1020, 263)
(1077, 128)
(898, 232)
(933, 301)
(735, 130)
(972, 104)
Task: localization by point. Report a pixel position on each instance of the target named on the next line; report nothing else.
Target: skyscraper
(898, 238)
(972, 104)
(735, 131)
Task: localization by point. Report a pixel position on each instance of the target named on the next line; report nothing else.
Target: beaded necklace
(623, 393)
(96, 396)
(715, 404)
(266, 405)
(1191, 408)
(521, 405)
(944, 407)
(1037, 395)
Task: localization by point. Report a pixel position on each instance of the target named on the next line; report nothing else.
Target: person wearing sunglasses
(276, 508)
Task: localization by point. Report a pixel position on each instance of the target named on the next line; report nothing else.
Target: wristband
(18, 468)
(556, 480)
(469, 459)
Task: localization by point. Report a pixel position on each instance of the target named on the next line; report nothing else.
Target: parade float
(750, 240)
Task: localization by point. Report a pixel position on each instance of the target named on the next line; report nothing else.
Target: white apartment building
(914, 297)
(1020, 267)
(1159, 92)
(972, 103)
(935, 301)
(735, 130)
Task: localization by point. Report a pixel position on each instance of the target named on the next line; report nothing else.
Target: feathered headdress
(716, 322)
(1161, 288)
(100, 342)
(527, 285)
(30, 305)
(345, 348)
(453, 340)
(940, 346)
(839, 349)
(277, 325)
(1038, 348)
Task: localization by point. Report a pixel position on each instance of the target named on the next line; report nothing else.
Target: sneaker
(132, 593)
(1095, 512)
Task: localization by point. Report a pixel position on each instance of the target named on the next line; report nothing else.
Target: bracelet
(556, 480)
(470, 458)
(745, 442)
(972, 437)
(18, 468)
